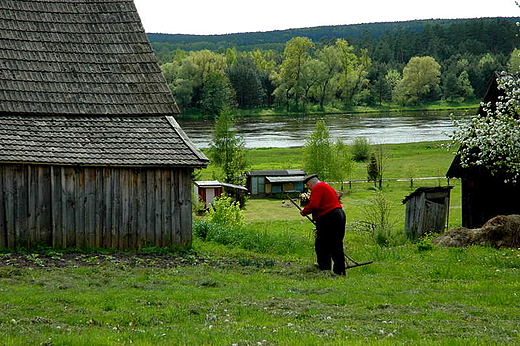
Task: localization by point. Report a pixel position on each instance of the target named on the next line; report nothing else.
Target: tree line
(471, 33)
(407, 68)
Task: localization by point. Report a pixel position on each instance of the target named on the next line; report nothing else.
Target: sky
(207, 17)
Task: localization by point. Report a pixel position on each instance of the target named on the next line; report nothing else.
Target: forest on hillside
(404, 63)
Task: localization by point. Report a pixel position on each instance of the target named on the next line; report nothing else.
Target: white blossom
(492, 139)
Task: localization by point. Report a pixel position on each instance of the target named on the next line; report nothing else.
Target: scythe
(349, 261)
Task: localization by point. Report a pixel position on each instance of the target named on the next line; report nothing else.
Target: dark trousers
(330, 230)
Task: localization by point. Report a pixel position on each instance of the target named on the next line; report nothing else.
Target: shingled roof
(127, 141)
(79, 84)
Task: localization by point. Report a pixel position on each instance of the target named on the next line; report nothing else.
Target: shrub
(225, 212)
(360, 149)
(378, 221)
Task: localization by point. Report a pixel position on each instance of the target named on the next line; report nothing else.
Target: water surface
(292, 131)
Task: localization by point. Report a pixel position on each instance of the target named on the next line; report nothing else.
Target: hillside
(276, 39)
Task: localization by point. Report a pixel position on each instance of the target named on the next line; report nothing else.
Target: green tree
(289, 78)
(318, 152)
(458, 88)
(354, 70)
(513, 65)
(341, 165)
(456, 83)
(329, 55)
(330, 160)
(420, 82)
(216, 94)
(227, 150)
(314, 72)
(380, 87)
(266, 63)
(246, 81)
(373, 169)
(375, 166)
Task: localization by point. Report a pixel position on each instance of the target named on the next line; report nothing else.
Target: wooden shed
(485, 195)
(90, 153)
(268, 183)
(427, 210)
(207, 190)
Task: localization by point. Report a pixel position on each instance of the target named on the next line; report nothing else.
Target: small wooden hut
(268, 183)
(485, 195)
(90, 153)
(427, 210)
(207, 190)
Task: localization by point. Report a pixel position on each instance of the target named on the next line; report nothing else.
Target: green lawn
(430, 159)
(265, 290)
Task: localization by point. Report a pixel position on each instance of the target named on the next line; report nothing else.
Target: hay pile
(500, 231)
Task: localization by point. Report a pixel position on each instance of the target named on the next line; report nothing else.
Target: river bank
(330, 110)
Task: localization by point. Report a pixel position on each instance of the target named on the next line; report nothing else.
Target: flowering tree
(492, 139)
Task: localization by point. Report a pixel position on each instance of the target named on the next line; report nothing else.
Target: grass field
(265, 290)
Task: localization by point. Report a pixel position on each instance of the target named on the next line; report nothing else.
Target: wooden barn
(268, 183)
(427, 210)
(90, 153)
(484, 195)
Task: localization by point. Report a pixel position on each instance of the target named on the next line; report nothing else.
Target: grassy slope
(413, 294)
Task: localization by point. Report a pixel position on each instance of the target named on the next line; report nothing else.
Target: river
(292, 131)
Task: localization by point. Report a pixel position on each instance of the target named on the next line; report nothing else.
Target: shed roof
(286, 179)
(421, 190)
(216, 183)
(284, 172)
(79, 84)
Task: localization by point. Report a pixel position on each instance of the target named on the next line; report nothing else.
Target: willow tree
(420, 82)
(289, 79)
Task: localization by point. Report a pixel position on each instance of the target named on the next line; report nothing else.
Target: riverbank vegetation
(443, 64)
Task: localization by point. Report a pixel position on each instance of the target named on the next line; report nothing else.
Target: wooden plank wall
(94, 207)
(426, 212)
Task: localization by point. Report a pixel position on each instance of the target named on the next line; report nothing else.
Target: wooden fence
(94, 207)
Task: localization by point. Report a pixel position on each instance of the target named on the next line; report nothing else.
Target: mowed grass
(413, 294)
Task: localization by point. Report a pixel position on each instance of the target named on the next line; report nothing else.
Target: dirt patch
(63, 260)
(500, 231)
(162, 260)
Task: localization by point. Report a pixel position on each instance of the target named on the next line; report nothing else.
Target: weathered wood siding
(94, 207)
(427, 212)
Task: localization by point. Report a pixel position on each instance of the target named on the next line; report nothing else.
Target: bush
(378, 221)
(225, 212)
(360, 149)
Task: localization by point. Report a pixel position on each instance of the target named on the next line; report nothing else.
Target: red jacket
(323, 200)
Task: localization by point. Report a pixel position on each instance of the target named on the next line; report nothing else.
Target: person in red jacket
(329, 217)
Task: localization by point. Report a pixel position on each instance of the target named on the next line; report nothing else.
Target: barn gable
(90, 153)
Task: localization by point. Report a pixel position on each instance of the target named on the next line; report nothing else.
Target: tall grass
(280, 241)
